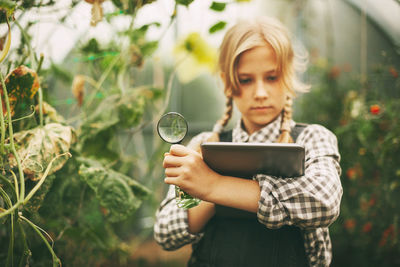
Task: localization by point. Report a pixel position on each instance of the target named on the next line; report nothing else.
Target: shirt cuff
(270, 210)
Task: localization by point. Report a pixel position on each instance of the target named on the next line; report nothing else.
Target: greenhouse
(113, 112)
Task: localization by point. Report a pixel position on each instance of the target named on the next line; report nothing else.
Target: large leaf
(117, 193)
(22, 84)
(38, 146)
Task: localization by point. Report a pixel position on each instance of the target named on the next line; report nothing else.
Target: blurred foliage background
(81, 162)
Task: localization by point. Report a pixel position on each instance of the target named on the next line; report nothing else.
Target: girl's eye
(272, 78)
(244, 81)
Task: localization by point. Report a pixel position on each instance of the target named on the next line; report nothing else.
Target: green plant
(365, 117)
(72, 186)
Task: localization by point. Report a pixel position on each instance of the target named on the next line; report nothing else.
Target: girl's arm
(199, 216)
(171, 229)
(185, 168)
(310, 201)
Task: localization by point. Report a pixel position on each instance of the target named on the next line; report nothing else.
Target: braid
(220, 124)
(286, 118)
(226, 117)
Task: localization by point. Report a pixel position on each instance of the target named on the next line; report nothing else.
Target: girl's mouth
(261, 108)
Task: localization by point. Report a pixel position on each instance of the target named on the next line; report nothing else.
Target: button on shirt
(310, 202)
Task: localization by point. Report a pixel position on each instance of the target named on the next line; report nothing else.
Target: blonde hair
(249, 34)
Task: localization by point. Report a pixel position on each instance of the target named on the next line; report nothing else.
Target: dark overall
(235, 238)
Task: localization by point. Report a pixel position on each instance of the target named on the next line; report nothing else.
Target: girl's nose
(261, 90)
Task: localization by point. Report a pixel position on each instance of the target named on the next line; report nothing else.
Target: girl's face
(261, 97)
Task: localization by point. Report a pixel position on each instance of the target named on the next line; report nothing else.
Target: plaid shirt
(310, 202)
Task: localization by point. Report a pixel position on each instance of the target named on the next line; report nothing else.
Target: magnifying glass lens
(172, 127)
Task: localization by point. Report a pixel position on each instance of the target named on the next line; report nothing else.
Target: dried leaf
(37, 147)
(78, 88)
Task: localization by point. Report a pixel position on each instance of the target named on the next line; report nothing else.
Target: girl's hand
(185, 168)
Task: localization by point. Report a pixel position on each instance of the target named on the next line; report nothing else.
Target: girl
(278, 221)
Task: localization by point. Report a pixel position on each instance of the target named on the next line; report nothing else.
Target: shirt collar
(269, 133)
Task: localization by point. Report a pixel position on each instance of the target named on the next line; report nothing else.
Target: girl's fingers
(172, 161)
(170, 180)
(179, 150)
(172, 172)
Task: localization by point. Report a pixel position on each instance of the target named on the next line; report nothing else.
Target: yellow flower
(322, 63)
(194, 56)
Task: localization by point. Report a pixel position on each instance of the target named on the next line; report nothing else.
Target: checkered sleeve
(171, 226)
(309, 201)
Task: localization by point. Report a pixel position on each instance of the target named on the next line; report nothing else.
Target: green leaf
(218, 6)
(7, 9)
(92, 46)
(119, 194)
(38, 146)
(217, 27)
(6, 4)
(148, 48)
(184, 2)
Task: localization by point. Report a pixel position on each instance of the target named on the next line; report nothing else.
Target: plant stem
(2, 124)
(26, 38)
(16, 185)
(9, 184)
(40, 63)
(56, 260)
(27, 116)
(10, 210)
(40, 92)
(27, 253)
(11, 137)
(10, 256)
(6, 198)
(40, 96)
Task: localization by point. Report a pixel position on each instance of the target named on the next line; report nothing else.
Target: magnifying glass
(172, 128)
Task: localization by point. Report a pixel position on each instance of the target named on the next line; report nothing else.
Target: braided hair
(286, 119)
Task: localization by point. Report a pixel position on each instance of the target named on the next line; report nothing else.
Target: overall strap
(226, 136)
(296, 130)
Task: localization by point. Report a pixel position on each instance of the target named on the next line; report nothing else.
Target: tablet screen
(247, 159)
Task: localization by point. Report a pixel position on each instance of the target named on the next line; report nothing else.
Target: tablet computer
(247, 159)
